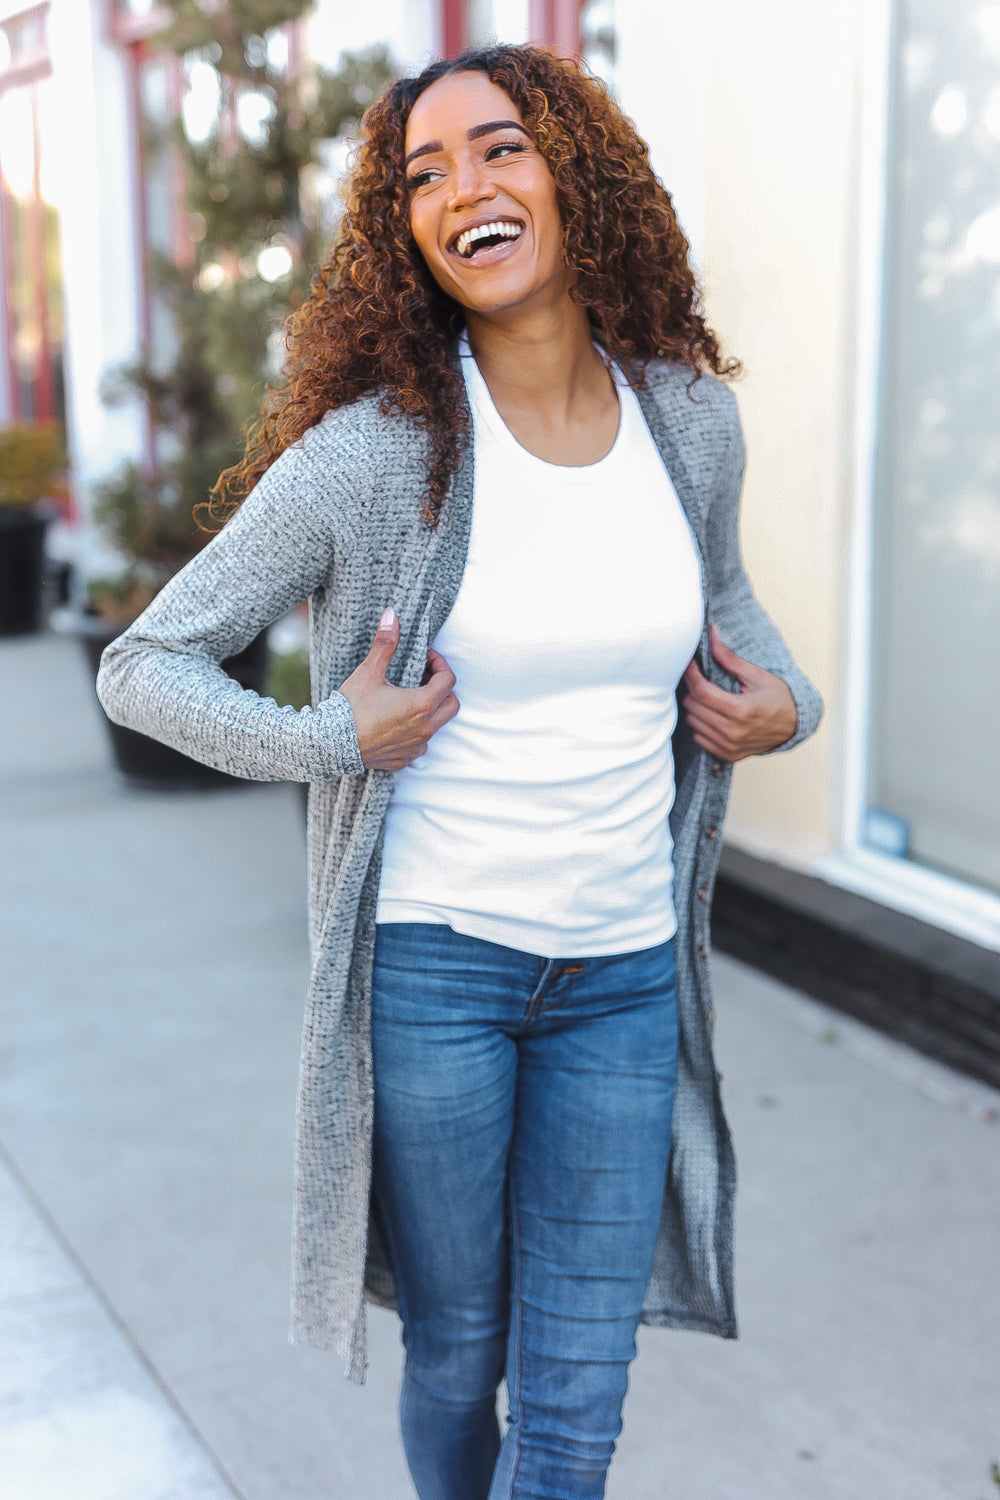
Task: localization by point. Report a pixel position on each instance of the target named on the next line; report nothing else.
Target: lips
(485, 236)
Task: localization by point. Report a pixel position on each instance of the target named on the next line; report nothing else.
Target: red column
(454, 28)
(7, 306)
(45, 400)
(566, 25)
(556, 21)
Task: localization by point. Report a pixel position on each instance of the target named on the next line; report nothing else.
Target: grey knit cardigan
(336, 520)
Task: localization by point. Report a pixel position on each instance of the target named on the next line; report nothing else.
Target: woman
(502, 451)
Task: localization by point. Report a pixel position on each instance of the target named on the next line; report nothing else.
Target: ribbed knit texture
(337, 520)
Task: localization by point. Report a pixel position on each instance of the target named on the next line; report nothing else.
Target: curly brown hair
(377, 321)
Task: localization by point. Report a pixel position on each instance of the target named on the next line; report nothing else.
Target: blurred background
(169, 178)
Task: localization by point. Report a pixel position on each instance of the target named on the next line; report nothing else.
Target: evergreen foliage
(257, 219)
(32, 463)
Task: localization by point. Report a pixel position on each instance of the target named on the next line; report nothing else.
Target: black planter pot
(22, 568)
(146, 763)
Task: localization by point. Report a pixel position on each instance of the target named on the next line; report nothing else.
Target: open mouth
(481, 238)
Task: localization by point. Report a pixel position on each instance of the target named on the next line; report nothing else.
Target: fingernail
(388, 615)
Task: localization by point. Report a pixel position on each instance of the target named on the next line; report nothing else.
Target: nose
(470, 184)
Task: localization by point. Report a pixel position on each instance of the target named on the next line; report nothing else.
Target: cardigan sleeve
(162, 676)
(743, 624)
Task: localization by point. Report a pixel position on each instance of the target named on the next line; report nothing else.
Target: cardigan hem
(723, 1328)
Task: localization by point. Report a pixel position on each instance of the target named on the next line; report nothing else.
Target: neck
(540, 363)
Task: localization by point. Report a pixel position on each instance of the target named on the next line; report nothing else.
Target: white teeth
(498, 227)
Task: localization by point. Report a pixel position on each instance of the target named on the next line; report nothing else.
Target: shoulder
(347, 460)
(361, 435)
(696, 415)
(705, 402)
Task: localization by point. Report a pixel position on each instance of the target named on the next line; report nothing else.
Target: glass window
(934, 761)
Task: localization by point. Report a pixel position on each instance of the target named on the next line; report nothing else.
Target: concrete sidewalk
(151, 981)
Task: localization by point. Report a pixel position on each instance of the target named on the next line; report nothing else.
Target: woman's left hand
(731, 726)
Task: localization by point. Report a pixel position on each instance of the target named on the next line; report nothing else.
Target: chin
(498, 299)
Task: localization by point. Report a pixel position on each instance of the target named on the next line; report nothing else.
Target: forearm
(162, 676)
(744, 625)
(748, 630)
(186, 700)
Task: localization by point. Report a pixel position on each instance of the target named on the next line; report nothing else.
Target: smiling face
(482, 199)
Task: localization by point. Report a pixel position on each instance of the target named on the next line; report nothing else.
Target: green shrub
(32, 463)
(288, 679)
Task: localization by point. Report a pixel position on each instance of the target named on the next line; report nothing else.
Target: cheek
(418, 229)
(423, 227)
(424, 224)
(548, 211)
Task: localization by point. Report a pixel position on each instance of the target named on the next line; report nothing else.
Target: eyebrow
(473, 134)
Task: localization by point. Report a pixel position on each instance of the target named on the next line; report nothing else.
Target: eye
(419, 179)
(505, 147)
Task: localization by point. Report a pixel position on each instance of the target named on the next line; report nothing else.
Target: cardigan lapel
(674, 464)
(691, 504)
(455, 527)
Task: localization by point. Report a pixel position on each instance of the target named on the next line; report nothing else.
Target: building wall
(800, 163)
(760, 149)
(661, 80)
(782, 280)
(88, 160)
(767, 123)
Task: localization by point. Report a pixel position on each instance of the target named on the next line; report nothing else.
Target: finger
(693, 673)
(710, 695)
(445, 711)
(724, 735)
(435, 660)
(737, 666)
(717, 749)
(386, 640)
(730, 708)
(437, 685)
(713, 723)
(431, 665)
(723, 740)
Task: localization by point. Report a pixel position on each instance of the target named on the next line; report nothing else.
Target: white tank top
(538, 817)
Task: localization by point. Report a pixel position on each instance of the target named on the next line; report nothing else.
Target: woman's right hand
(395, 724)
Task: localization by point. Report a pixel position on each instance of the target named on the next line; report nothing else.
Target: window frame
(940, 900)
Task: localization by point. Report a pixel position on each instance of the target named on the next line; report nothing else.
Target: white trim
(873, 181)
(873, 169)
(937, 899)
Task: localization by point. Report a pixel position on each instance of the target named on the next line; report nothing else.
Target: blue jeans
(522, 1130)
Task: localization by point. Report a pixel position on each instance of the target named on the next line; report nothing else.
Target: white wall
(662, 83)
(752, 115)
(782, 280)
(96, 236)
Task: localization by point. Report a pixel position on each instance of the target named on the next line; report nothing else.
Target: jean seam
(516, 1311)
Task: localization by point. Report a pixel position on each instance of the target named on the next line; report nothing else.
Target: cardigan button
(711, 831)
(703, 893)
(711, 1017)
(718, 767)
(702, 950)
